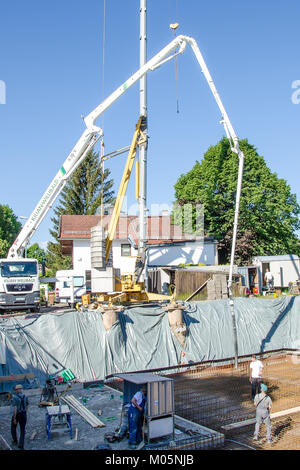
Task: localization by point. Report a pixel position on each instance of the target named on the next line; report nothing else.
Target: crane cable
(174, 27)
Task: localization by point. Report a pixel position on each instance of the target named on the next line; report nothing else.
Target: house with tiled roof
(167, 245)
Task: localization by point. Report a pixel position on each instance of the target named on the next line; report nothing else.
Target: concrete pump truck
(19, 276)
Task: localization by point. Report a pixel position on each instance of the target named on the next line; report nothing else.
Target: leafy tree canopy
(9, 229)
(34, 251)
(269, 212)
(56, 260)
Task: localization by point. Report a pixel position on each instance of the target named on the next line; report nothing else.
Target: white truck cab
(19, 285)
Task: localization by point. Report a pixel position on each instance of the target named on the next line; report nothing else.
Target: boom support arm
(79, 152)
(93, 133)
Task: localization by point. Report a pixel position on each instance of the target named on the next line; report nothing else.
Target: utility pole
(142, 199)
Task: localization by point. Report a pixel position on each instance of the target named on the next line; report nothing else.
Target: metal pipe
(143, 112)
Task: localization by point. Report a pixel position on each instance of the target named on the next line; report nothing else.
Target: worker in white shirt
(256, 368)
(269, 279)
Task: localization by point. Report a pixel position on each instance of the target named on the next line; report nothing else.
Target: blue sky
(51, 61)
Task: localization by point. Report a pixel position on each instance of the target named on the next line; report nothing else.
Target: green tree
(269, 212)
(81, 195)
(55, 259)
(34, 251)
(9, 229)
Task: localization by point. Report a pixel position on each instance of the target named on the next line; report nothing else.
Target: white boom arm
(93, 133)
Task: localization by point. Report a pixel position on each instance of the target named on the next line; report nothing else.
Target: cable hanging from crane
(174, 26)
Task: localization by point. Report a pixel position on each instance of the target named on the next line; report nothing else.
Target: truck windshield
(18, 268)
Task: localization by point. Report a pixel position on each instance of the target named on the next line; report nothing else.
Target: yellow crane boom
(138, 138)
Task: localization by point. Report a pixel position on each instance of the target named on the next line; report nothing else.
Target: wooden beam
(247, 422)
(83, 411)
(13, 378)
(197, 290)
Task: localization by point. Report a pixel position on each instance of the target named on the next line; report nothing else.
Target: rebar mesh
(215, 396)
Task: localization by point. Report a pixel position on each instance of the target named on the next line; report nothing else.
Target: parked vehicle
(69, 280)
(19, 285)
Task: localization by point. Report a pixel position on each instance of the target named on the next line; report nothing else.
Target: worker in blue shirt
(135, 416)
(19, 415)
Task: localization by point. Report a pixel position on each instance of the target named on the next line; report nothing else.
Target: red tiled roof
(159, 228)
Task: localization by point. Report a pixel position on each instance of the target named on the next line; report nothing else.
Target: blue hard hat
(263, 387)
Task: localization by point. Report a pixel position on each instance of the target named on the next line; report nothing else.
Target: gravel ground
(94, 399)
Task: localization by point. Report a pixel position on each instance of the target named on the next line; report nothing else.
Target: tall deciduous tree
(9, 229)
(81, 195)
(269, 212)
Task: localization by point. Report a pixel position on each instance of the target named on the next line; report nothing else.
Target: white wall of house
(126, 264)
(82, 256)
(183, 253)
(193, 252)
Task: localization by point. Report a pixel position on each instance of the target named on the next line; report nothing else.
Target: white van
(63, 285)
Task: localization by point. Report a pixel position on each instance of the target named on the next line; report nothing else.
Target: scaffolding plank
(247, 422)
(83, 412)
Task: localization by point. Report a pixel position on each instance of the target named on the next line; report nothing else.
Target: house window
(125, 249)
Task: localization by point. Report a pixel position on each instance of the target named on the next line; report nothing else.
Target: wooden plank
(197, 291)
(13, 378)
(247, 422)
(83, 411)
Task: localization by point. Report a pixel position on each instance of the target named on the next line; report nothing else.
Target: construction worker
(135, 416)
(256, 368)
(269, 280)
(263, 404)
(19, 416)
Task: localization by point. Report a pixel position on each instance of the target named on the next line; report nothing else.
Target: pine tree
(80, 196)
